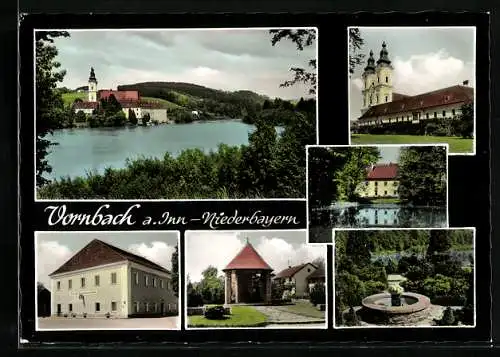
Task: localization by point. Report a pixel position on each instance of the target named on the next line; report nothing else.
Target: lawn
(241, 316)
(457, 145)
(69, 98)
(304, 308)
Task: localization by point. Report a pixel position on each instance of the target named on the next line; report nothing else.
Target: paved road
(302, 326)
(278, 316)
(58, 323)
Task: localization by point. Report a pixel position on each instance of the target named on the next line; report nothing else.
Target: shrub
(215, 313)
(85, 315)
(448, 318)
(108, 315)
(317, 295)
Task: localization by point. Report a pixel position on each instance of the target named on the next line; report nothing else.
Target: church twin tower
(377, 80)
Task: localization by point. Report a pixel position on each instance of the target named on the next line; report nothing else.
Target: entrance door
(58, 309)
(162, 308)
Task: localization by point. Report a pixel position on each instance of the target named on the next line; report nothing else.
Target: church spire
(384, 55)
(370, 65)
(92, 75)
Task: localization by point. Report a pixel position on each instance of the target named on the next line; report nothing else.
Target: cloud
(50, 256)
(426, 72)
(419, 73)
(158, 252)
(201, 71)
(226, 60)
(219, 248)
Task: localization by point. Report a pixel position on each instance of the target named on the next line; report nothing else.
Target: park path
(279, 316)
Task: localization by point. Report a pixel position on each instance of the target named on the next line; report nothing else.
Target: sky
(278, 248)
(220, 59)
(389, 154)
(424, 59)
(55, 248)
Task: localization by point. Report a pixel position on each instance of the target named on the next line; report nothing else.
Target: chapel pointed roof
(248, 258)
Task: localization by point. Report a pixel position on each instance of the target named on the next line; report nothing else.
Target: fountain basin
(412, 302)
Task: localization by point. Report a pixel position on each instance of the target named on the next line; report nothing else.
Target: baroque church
(129, 100)
(381, 104)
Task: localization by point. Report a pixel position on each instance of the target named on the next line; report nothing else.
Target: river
(84, 149)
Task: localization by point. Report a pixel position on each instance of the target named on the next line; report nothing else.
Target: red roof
(248, 258)
(98, 253)
(383, 172)
(446, 96)
(290, 271)
(120, 95)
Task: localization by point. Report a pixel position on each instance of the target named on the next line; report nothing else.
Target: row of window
(386, 183)
(427, 116)
(97, 307)
(147, 307)
(83, 281)
(378, 80)
(155, 282)
(151, 281)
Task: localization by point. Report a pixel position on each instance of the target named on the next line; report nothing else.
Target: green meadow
(457, 145)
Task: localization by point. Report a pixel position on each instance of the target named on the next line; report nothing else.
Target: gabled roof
(317, 274)
(248, 258)
(383, 172)
(291, 271)
(98, 253)
(446, 96)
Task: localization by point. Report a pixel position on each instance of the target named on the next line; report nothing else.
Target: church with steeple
(130, 100)
(382, 105)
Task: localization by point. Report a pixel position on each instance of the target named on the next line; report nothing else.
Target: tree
(110, 105)
(354, 170)
(258, 165)
(422, 175)
(132, 118)
(175, 270)
(439, 242)
(302, 39)
(358, 248)
(466, 123)
(49, 103)
(145, 119)
(356, 42)
(211, 286)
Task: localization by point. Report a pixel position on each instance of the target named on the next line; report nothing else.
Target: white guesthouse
(103, 280)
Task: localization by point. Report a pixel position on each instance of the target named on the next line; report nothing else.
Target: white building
(381, 105)
(129, 101)
(295, 279)
(103, 280)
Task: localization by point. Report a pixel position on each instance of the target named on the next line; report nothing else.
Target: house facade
(129, 100)
(381, 182)
(381, 105)
(102, 280)
(294, 279)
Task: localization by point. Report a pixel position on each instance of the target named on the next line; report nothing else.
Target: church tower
(383, 87)
(92, 86)
(369, 82)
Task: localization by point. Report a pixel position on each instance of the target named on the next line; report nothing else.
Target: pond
(81, 150)
(378, 216)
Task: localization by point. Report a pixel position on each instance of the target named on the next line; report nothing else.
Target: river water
(84, 149)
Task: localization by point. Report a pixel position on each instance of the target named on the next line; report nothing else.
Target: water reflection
(390, 215)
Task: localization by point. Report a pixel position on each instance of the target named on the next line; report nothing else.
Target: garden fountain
(396, 307)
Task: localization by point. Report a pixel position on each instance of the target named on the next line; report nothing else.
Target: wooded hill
(210, 101)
